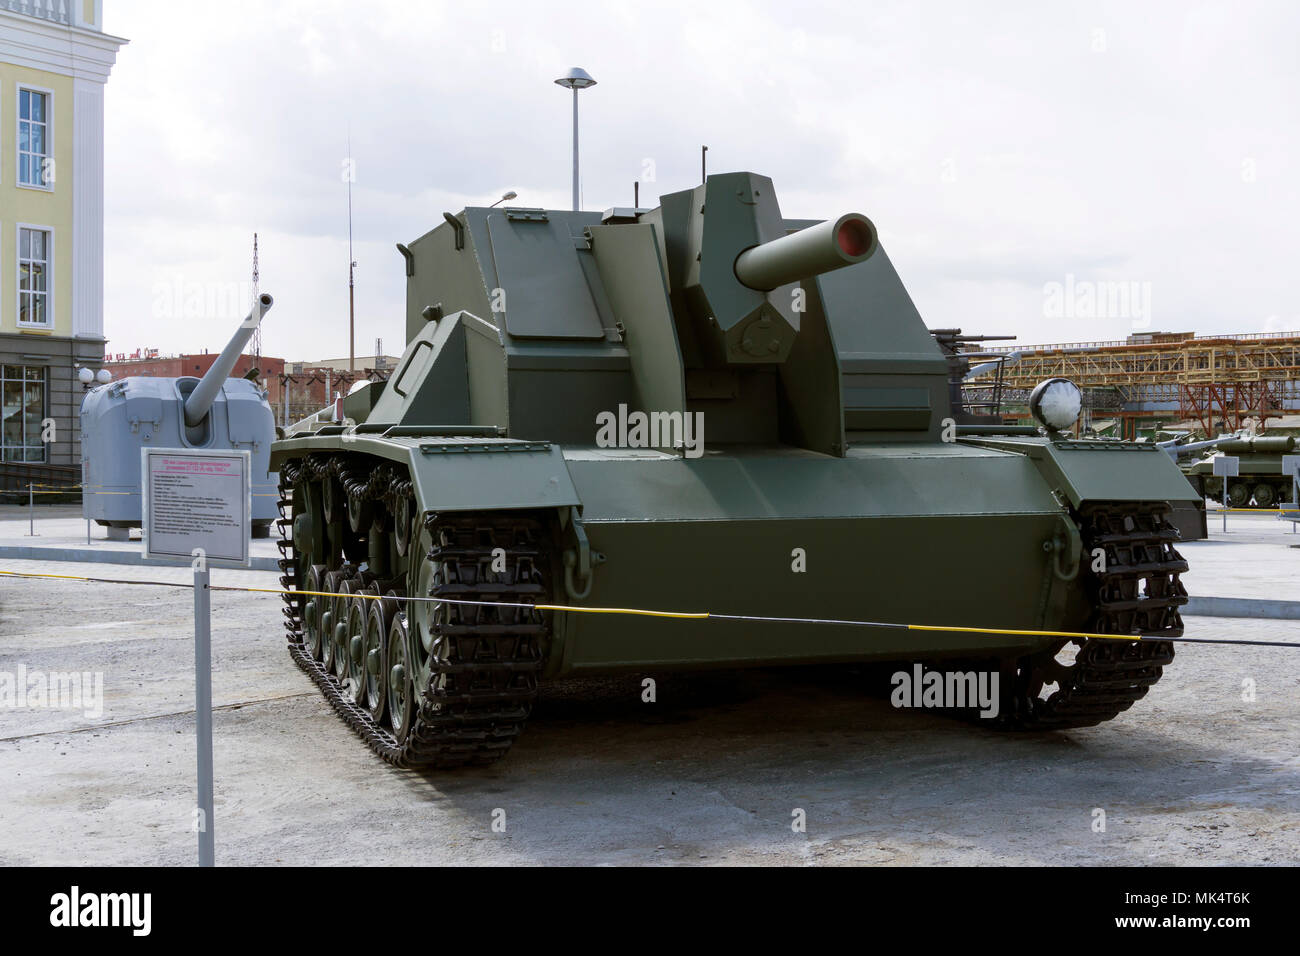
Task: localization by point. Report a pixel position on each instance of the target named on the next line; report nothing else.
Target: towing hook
(570, 562)
(1060, 543)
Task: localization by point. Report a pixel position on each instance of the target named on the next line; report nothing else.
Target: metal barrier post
(1227, 466)
(1225, 503)
(31, 511)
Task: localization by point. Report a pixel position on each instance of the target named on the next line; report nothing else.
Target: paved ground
(60, 527)
(710, 774)
(1258, 557)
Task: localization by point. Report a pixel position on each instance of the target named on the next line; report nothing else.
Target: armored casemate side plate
(545, 294)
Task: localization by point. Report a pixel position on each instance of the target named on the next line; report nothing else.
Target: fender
(1082, 470)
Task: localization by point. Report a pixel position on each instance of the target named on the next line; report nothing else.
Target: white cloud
(996, 149)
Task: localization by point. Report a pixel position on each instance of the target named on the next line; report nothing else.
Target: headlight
(1056, 403)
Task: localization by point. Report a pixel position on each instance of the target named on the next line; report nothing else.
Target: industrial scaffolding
(1216, 380)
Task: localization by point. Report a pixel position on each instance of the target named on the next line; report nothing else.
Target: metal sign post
(203, 710)
(198, 506)
(1291, 466)
(1226, 466)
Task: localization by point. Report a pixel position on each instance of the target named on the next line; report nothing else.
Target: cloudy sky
(1015, 156)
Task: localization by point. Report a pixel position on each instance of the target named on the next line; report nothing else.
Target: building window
(34, 277)
(22, 403)
(33, 138)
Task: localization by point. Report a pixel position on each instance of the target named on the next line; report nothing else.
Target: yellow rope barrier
(690, 615)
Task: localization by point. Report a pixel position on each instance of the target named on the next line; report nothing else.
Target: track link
(1138, 593)
(484, 662)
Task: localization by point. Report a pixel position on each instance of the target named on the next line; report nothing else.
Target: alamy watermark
(179, 299)
(1098, 299)
(624, 429)
(53, 690)
(946, 690)
(125, 910)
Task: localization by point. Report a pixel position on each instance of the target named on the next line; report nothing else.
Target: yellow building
(54, 61)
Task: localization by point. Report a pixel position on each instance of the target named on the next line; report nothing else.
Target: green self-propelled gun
(699, 407)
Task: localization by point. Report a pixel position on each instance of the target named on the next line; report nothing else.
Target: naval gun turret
(215, 411)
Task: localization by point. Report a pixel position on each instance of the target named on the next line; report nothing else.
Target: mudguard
(458, 472)
(1083, 470)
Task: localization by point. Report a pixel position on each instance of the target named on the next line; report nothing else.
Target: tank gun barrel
(205, 393)
(1177, 451)
(1262, 445)
(956, 336)
(829, 245)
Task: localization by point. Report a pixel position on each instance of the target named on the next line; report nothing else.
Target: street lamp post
(576, 79)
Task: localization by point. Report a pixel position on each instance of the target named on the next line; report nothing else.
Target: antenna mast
(352, 265)
(257, 332)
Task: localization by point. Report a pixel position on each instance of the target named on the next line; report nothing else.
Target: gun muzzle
(824, 247)
(205, 393)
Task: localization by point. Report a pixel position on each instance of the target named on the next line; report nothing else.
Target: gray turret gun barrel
(833, 244)
(205, 393)
(976, 370)
(1177, 451)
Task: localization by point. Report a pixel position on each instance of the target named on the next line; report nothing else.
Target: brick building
(294, 389)
(145, 362)
(312, 385)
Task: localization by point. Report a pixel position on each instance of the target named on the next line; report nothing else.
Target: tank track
(484, 661)
(1139, 592)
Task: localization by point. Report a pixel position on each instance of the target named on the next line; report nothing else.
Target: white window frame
(45, 411)
(19, 89)
(49, 324)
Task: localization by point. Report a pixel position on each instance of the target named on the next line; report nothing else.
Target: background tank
(975, 378)
(1262, 483)
(1189, 516)
(216, 411)
(704, 406)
